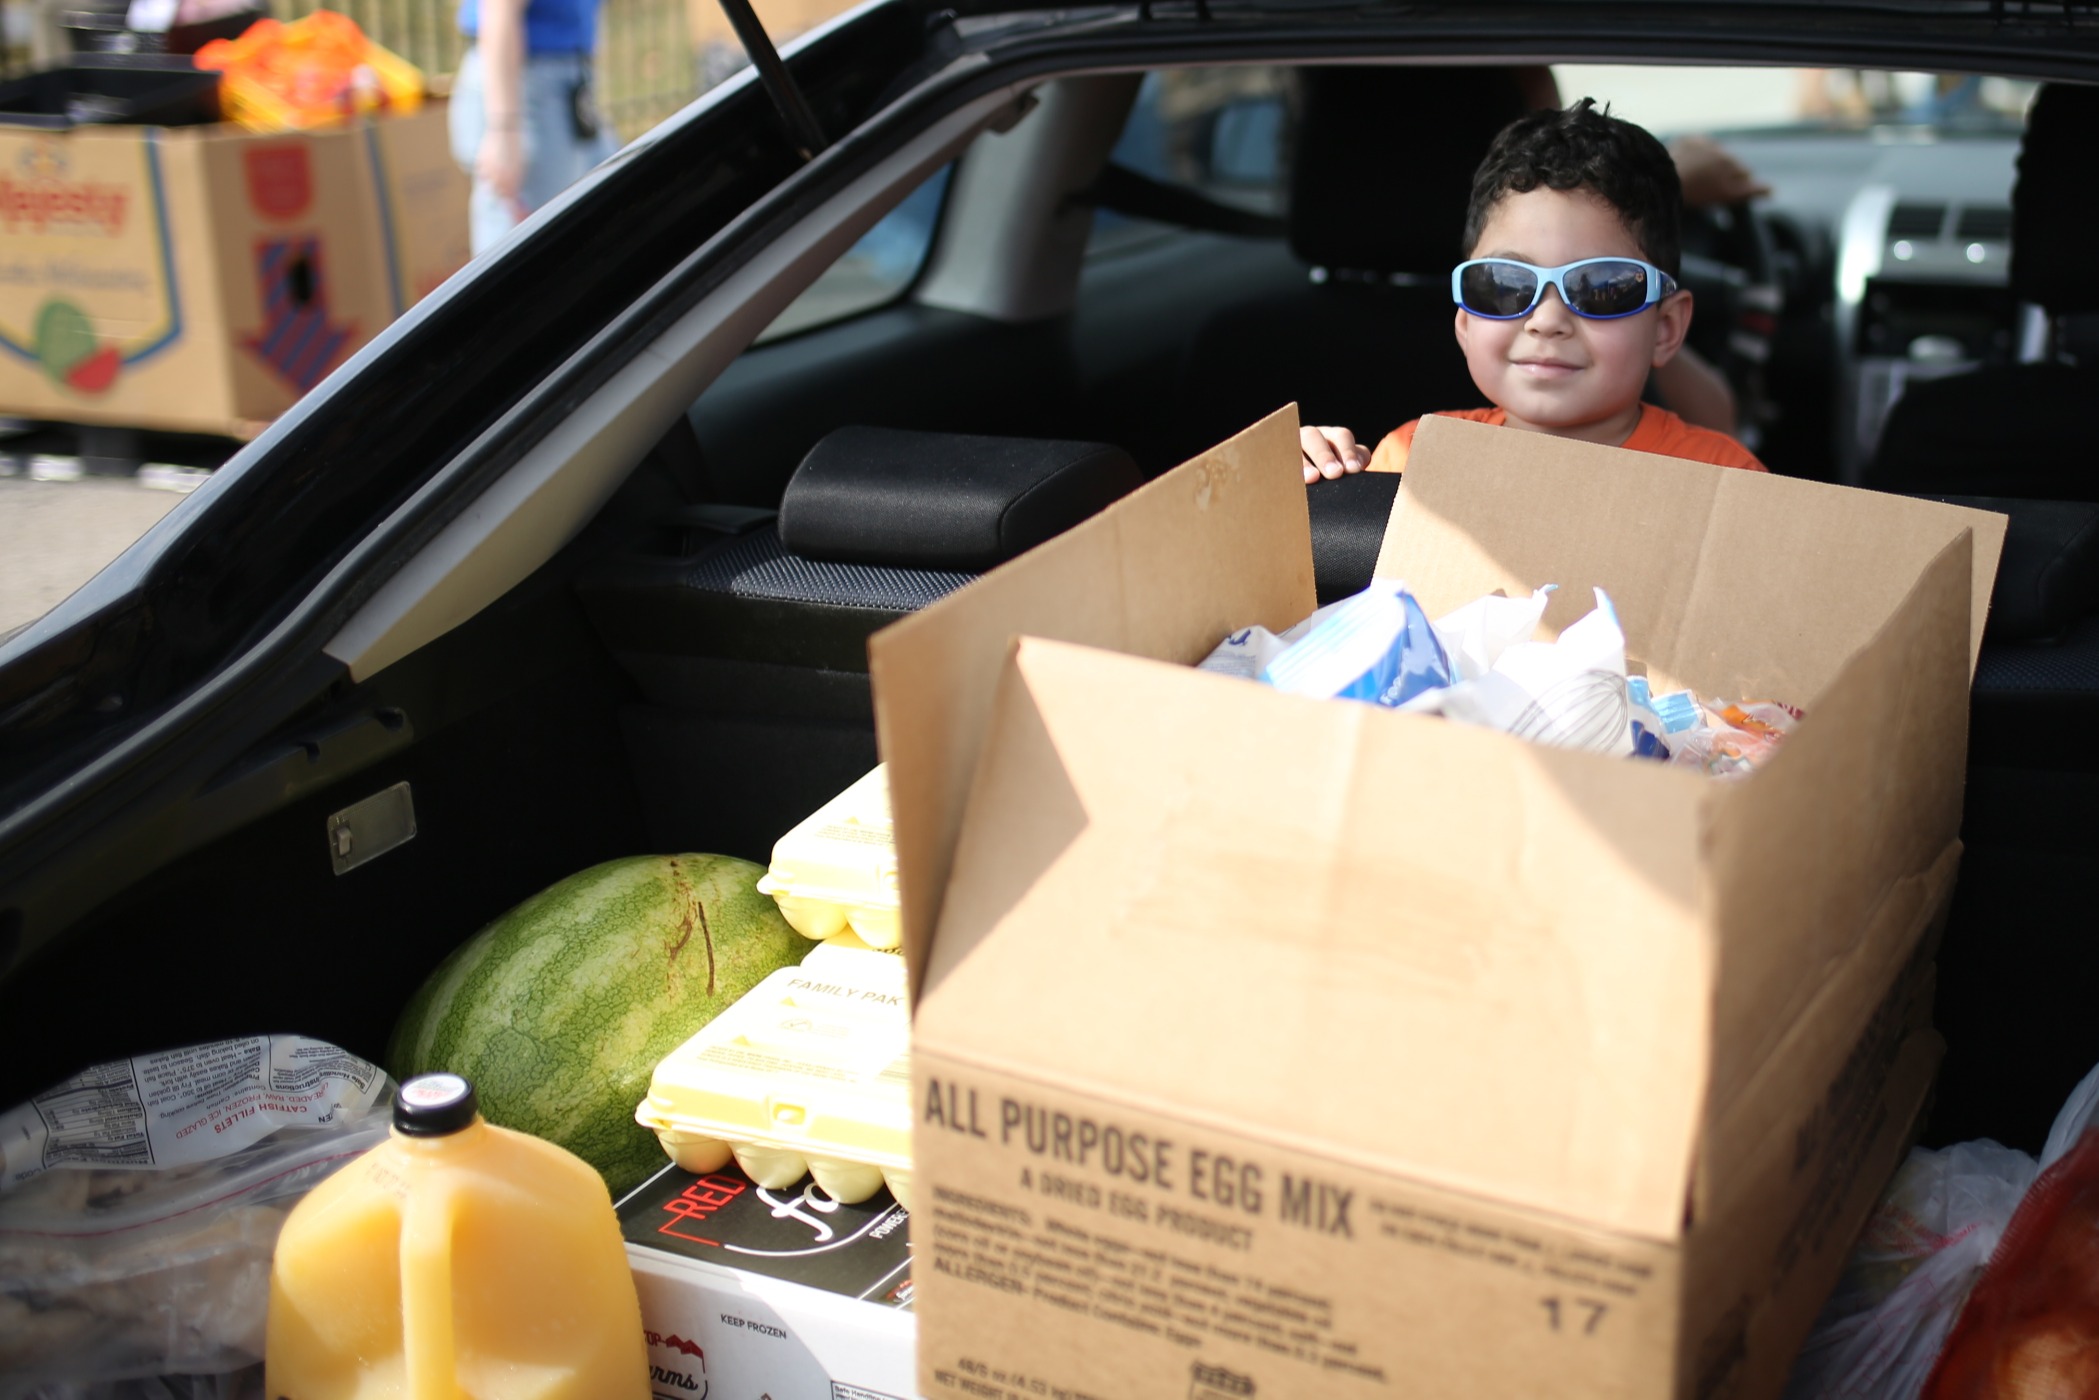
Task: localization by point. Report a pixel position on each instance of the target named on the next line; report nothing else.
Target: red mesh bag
(2030, 1330)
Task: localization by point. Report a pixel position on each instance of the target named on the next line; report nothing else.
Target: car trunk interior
(586, 716)
(540, 749)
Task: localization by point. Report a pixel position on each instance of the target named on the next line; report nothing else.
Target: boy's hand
(1331, 453)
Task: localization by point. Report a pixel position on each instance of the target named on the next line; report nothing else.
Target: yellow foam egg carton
(837, 870)
(808, 1073)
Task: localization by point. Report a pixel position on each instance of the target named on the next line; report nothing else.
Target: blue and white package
(1377, 646)
(1649, 739)
(1678, 710)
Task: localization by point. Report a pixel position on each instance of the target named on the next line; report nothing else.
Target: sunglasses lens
(1610, 288)
(1497, 289)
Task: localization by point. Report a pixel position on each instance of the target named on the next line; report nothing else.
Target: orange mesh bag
(2031, 1328)
(312, 72)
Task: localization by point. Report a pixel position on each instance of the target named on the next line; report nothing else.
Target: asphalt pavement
(56, 535)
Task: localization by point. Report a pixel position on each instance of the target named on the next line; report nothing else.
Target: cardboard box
(748, 1293)
(203, 278)
(1270, 1046)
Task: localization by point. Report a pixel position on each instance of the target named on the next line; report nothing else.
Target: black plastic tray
(105, 31)
(112, 88)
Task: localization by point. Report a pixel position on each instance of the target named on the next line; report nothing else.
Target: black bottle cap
(433, 1105)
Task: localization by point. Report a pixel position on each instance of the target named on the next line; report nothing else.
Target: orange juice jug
(455, 1261)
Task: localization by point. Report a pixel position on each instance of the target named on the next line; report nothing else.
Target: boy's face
(1553, 371)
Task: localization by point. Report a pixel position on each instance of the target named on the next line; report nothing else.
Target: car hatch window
(1214, 132)
(876, 270)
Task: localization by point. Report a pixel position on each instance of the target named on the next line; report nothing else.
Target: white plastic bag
(244, 1384)
(142, 1200)
(1475, 636)
(1570, 693)
(1919, 1258)
(2079, 1116)
(1922, 1253)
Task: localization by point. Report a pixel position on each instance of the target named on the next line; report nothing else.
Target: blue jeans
(554, 157)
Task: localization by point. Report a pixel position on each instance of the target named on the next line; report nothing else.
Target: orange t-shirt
(1659, 431)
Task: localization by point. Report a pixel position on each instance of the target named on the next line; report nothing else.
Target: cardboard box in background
(423, 200)
(747, 1292)
(1269, 1046)
(203, 278)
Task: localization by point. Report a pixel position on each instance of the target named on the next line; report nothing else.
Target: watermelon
(559, 1011)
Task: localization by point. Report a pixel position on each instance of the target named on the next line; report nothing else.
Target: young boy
(1569, 297)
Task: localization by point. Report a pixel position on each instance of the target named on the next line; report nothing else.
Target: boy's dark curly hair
(1582, 148)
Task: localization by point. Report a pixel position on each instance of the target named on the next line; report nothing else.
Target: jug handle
(426, 1294)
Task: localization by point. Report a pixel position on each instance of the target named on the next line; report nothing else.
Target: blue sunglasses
(1599, 289)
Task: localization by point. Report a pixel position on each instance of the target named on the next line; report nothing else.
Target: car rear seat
(1377, 215)
(2018, 960)
(2012, 438)
(2021, 430)
(745, 631)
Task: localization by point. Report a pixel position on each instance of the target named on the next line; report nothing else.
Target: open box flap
(1432, 950)
(1225, 537)
(1736, 581)
(1836, 853)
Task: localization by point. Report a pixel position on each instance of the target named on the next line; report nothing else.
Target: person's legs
(488, 217)
(557, 155)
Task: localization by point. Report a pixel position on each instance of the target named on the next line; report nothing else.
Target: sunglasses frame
(1659, 285)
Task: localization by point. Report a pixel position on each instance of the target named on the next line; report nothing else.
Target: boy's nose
(1550, 315)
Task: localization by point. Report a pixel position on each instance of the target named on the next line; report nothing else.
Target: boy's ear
(1463, 324)
(1672, 324)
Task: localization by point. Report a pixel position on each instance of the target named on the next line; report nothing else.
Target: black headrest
(2048, 577)
(2055, 204)
(942, 500)
(1384, 160)
(1348, 530)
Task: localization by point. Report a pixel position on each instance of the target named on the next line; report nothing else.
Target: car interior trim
(538, 505)
(1018, 232)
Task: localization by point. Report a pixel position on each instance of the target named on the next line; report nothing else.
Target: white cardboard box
(750, 1294)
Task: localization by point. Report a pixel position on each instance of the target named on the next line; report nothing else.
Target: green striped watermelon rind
(623, 962)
